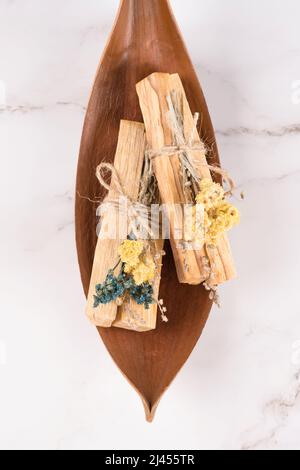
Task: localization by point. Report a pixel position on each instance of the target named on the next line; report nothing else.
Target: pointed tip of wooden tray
(150, 410)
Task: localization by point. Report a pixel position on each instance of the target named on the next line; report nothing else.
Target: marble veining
(278, 132)
(280, 408)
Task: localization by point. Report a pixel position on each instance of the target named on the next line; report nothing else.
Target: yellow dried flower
(222, 218)
(216, 229)
(230, 213)
(130, 252)
(210, 193)
(219, 215)
(128, 268)
(140, 265)
(144, 271)
(207, 221)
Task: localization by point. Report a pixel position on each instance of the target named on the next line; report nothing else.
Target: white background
(59, 388)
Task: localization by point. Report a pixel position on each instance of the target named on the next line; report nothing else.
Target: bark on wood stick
(128, 163)
(153, 92)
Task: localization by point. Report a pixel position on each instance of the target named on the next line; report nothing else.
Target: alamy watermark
(181, 222)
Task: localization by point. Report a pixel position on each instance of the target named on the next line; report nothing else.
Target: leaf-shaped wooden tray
(145, 39)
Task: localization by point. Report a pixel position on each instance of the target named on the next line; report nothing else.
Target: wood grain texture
(135, 317)
(145, 39)
(153, 92)
(128, 163)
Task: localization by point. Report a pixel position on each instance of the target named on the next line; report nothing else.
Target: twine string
(138, 214)
(183, 147)
(115, 179)
(186, 148)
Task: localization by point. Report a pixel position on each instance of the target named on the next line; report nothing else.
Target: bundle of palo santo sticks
(160, 187)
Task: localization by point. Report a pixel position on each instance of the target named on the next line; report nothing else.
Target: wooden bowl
(145, 39)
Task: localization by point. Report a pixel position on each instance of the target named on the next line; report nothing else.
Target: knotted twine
(185, 148)
(137, 213)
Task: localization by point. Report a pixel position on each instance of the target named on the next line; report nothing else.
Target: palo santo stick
(132, 316)
(128, 163)
(220, 257)
(190, 264)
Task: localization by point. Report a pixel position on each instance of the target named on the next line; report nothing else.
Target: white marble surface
(58, 387)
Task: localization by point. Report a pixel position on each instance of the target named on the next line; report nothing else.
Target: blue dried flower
(143, 294)
(112, 288)
(117, 286)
